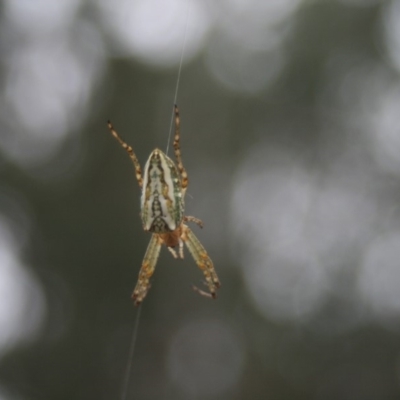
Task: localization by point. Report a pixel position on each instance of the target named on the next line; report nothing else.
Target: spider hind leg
(147, 269)
(203, 261)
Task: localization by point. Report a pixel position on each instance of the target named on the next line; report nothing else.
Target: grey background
(291, 139)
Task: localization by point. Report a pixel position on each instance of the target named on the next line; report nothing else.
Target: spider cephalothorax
(162, 210)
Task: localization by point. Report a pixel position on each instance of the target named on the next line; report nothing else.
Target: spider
(164, 185)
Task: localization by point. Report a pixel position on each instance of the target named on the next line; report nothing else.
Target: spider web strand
(130, 355)
(179, 76)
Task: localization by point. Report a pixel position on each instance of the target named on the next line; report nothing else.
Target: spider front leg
(203, 261)
(177, 149)
(180, 251)
(147, 269)
(132, 155)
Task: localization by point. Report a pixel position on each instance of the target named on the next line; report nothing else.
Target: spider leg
(147, 269)
(177, 149)
(173, 252)
(176, 254)
(197, 221)
(181, 248)
(202, 259)
(132, 155)
(202, 292)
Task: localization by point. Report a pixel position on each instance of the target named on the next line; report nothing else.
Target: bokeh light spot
(155, 30)
(40, 16)
(205, 358)
(379, 277)
(22, 304)
(300, 232)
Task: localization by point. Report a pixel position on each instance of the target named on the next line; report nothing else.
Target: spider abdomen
(162, 204)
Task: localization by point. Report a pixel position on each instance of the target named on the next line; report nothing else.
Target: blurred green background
(291, 139)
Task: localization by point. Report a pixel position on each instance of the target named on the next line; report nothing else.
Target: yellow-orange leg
(197, 221)
(182, 171)
(132, 155)
(147, 269)
(173, 251)
(202, 259)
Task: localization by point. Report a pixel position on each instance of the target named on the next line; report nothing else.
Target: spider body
(164, 184)
(162, 203)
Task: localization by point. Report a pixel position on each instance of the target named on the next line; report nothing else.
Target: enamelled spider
(163, 187)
